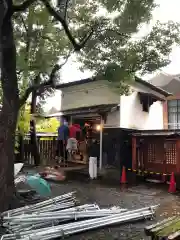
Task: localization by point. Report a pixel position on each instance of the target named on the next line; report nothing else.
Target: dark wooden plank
(160, 230)
(149, 228)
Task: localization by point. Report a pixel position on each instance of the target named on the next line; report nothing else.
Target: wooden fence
(47, 146)
(47, 150)
(158, 154)
(112, 143)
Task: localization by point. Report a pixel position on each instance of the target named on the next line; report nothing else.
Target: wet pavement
(144, 194)
(140, 195)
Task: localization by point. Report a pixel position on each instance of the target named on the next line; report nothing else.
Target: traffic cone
(123, 176)
(172, 184)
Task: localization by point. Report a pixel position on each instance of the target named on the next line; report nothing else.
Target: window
(174, 114)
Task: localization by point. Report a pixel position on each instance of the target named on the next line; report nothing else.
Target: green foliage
(39, 44)
(49, 125)
(23, 124)
(114, 49)
(42, 41)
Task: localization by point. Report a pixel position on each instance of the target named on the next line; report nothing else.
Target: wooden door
(154, 155)
(170, 156)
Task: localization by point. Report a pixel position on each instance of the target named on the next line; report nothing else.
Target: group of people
(67, 140)
(67, 144)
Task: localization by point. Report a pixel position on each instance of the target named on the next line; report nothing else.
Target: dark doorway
(117, 147)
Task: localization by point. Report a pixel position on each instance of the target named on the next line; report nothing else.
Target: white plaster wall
(132, 115)
(113, 119)
(88, 94)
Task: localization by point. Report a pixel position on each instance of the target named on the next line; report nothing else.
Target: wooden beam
(134, 140)
(174, 97)
(165, 115)
(178, 156)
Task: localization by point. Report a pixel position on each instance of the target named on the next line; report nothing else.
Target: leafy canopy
(49, 125)
(112, 48)
(39, 45)
(23, 124)
(115, 49)
(24, 118)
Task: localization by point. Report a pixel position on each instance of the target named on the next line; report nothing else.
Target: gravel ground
(129, 197)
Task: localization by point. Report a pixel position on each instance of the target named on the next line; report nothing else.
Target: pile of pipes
(60, 216)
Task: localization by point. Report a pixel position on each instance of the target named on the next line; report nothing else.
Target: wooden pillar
(101, 143)
(178, 155)
(165, 115)
(134, 152)
(103, 118)
(71, 120)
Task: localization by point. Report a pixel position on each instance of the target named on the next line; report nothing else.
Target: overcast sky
(168, 10)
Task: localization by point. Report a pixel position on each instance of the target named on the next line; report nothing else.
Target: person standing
(93, 156)
(75, 131)
(63, 134)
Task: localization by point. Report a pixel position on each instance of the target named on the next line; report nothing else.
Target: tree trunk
(19, 156)
(9, 112)
(34, 142)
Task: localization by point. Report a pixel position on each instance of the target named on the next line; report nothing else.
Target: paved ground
(137, 196)
(130, 197)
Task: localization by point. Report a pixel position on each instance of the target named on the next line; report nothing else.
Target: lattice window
(151, 152)
(174, 114)
(171, 153)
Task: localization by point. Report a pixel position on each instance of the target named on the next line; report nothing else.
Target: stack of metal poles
(46, 220)
(81, 226)
(34, 221)
(53, 204)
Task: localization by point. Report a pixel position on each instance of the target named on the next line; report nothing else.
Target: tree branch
(63, 7)
(67, 58)
(24, 24)
(46, 84)
(77, 46)
(66, 8)
(58, 17)
(23, 6)
(89, 35)
(47, 38)
(32, 88)
(121, 34)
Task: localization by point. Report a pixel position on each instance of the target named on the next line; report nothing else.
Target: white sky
(168, 10)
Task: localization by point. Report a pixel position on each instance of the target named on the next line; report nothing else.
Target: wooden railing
(47, 146)
(47, 142)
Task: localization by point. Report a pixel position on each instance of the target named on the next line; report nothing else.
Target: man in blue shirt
(63, 134)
